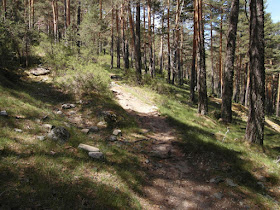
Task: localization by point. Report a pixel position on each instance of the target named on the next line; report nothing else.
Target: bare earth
(175, 180)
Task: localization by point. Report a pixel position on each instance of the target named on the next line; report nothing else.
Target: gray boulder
(68, 106)
(59, 134)
(96, 155)
(88, 148)
(40, 71)
(4, 113)
(112, 138)
(93, 129)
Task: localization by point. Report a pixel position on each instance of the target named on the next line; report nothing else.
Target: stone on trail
(102, 124)
(112, 138)
(218, 195)
(93, 129)
(117, 132)
(96, 155)
(230, 183)
(216, 180)
(161, 151)
(59, 134)
(85, 130)
(18, 130)
(88, 148)
(41, 138)
(68, 106)
(47, 126)
(4, 113)
(40, 71)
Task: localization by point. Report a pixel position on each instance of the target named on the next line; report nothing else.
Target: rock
(37, 120)
(88, 148)
(47, 126)
(67, 124)
(109, 117)
(116, 77)
(117, 132)
(161, 151)
(218, 195)
(93, 129)
(4, 113)
(147, 161)
(85, 130)
(96, 155)
(112, 138)
(72, 112)
(102, 124)
(59, 112)
(18, 130)
(59, 134)
(261, 185)
(230, 183)
(41, 138)
(68, 106)
(216, 180)
(40, 71)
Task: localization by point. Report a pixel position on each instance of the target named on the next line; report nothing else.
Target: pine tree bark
(212, 56)
(5, 8)
(161, 46)
(150, 39)
(68, 19)
(278, 97)
(118, 40)
(202, 88)
(256, 118)
(229, 67)
(194, 53)
(145, 40)
(221, 57)
(78, 25)
(124, 40)
(168, 43)
(112, 39)
(55, 19)
(138, 43)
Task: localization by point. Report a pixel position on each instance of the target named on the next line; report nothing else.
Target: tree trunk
(124, 41)
(278, 97)
(65, 17)
(118, 40)
(99, 35)
(168, 43)
(68, 13)
(154, 46)
(5, 8)
(202, 88)
(78, 25)
(212, 56)
(247, 93)
(150, 39)
(221, 57)
(194, 53)
(55, 23)
(256, 118)
(112, 39)
(145, 40)
(269, 105)
(138, 43)
(161, 46)
(229, 68)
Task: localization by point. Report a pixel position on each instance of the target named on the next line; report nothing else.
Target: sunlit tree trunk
(201, 88)
(221, 56)
(161, 46)
(278, 97)
(112, 39)
(194, 53)
(138, 43)
(168, 43)
(150, 39)
(68, 19)
(256, 117)
(118, 40)
(145, 40)
(212, 56)
(229, 67)
(55, 19)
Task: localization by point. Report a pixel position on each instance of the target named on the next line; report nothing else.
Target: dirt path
(175, 180)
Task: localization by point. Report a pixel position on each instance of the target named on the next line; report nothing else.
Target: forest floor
(168, 156)
(176, 181)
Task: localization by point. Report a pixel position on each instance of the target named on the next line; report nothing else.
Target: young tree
(256, 118)
(229, 66)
